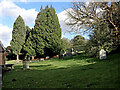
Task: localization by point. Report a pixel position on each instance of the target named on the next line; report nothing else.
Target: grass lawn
(79, 72)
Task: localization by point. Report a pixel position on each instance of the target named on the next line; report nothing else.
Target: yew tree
(18, 36)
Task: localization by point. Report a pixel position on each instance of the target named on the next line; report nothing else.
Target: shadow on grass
(70, 77)
(40, 65)
(76, 57)
(80, 57)
(96, 75)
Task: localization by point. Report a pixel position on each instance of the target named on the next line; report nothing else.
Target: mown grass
(79, 72)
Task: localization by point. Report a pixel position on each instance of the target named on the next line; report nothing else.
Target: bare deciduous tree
(86, 16)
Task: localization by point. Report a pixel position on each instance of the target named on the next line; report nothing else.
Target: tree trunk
(17, 58)
(32, 57)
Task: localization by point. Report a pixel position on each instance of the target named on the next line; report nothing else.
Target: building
(2, 56)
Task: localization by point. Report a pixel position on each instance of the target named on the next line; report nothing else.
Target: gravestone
(26, 63)
(102, 54)
(42, 59)
(76, 52)
(47, 57)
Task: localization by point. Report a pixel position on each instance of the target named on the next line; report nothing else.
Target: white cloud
(5, 35)
(29, 16)
(63, 16)
(23, 0)
(63, 19)
(8, 8)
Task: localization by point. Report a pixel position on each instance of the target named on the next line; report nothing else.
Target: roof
(1, 45)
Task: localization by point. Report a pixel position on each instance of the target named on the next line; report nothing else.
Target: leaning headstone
(102, 54)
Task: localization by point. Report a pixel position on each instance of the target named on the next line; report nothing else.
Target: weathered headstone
(47, 57)
(102, 54)
(26, 63)
(76, 52)
(42, 59)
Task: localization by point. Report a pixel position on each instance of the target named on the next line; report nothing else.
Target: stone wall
(2, 58)
(0, 76)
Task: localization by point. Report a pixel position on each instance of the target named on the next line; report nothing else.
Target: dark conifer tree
(18, 36)
(38, 32)
(53, 30)
(29, 47)
(48, 32)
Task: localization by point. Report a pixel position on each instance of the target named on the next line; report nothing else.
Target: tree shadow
(91, 75)
(64, 73)
(75, 57)
(40, 65)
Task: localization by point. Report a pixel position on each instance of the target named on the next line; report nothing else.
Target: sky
(9, 11)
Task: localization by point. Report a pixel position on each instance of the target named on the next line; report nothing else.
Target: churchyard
(42, 57)
(78, 72)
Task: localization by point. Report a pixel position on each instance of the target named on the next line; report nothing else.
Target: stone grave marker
(102, 54)
(47, 57)
(26, 63)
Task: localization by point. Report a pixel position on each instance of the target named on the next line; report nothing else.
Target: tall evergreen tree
(18, 36)
(48, 32)
(29, 47)
(38, 33)
(28, 30)
(53, 33)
